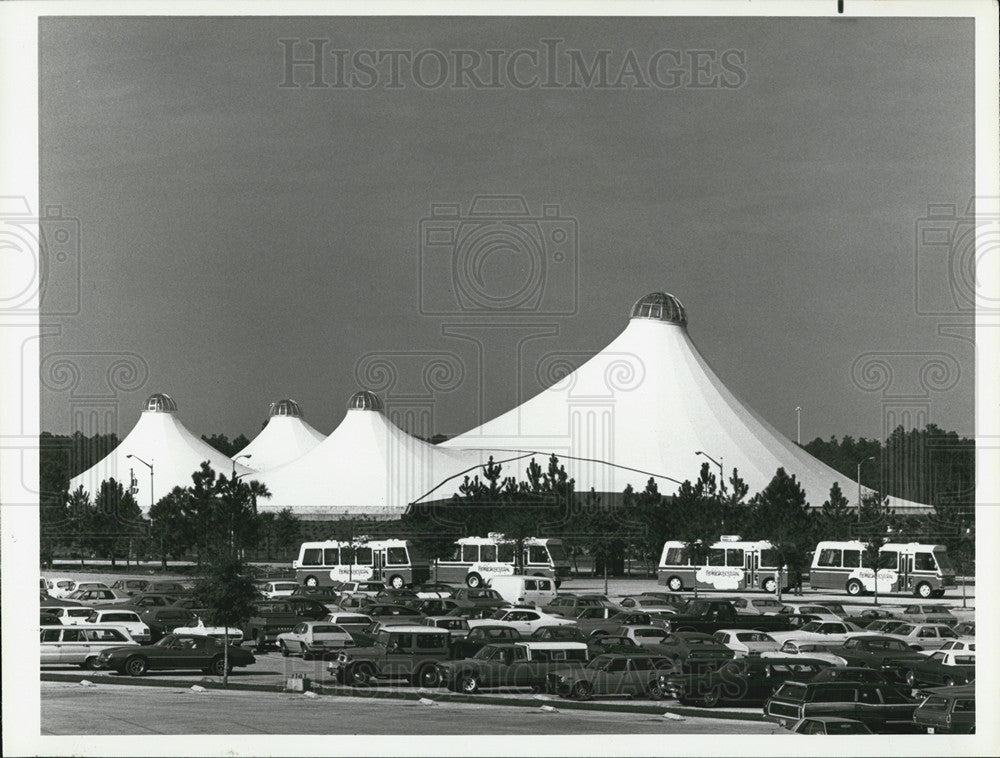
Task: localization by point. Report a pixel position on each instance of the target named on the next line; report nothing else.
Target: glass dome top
(286, 407)
(660, 306)
(160, 403)
(364, 401)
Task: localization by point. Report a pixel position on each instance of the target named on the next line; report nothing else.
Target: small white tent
(367, 466)
(649, 404)
(160, 440)
(285, 437)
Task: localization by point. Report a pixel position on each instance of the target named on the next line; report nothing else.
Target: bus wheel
(312, 581)
(675, 583)
(923, 590)
(474, 581)
(854, 587)
(768, 585)
(396, 582)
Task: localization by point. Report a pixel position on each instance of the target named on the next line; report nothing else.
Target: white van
(524, 590)
(80, 644)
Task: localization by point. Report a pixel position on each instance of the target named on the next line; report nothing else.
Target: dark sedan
(390, 613)
(558, 634)
(307, 607)
(174, 652)
(743, 681)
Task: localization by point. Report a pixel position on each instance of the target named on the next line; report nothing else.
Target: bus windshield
(557, 552)
(943, 561)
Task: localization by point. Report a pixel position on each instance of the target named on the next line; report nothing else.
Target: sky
(242, 241)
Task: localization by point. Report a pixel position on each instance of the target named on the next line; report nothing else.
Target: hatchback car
(313, 638)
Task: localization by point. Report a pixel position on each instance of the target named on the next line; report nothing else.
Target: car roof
(412, 628)
(547, 645)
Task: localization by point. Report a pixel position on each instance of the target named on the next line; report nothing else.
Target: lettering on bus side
(492, 568)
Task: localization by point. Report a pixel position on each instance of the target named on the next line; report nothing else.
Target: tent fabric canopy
(285, 437)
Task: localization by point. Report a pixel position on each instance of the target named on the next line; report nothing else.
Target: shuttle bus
(733, 564)
(922, 569)
(394, 562)
(473, 560)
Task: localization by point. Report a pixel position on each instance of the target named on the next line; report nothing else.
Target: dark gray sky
(252, 242)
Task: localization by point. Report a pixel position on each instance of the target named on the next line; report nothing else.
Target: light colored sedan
(312, 638)
(746, 642)
(525, 620)
(923, 636)
(100, 596)
(814, 650)
(63, 588)
(828, 632)
(271, 590)
(68, 615)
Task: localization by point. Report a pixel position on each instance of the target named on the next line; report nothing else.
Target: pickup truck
(270, 619)
(709, 616)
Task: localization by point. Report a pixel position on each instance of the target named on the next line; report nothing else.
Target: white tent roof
(367, 466)
(649, 401)
(159, 438)
(285, 437)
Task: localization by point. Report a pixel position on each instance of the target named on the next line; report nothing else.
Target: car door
(73, 645)
(51, 642)
(611, 677)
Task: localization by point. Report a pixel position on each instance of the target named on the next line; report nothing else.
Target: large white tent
(649, 404)
(162, 441)
(285, 437)
(367, 466)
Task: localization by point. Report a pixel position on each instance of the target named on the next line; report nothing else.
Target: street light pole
(232, 488)
(798, 425)
(869, 458)
(722, 473)
(151, 502)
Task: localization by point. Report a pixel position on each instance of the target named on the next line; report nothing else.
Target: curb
(417, 695)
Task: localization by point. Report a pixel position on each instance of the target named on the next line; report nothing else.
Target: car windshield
(752, 637)
(812, 626)
(167, 641)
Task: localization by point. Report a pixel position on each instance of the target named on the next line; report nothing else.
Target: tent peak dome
(286, 407)
(660, 306)
(364, 401)
(160, 402)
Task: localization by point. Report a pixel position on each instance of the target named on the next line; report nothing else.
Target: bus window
(769, 558)
(852, 559)
(923, 562)
(331, 556)
(312, 556)
(506, 552)
(470, 553)
(716, 556)
(454, 554)
(829, 557)
(363, 556)
(396, 556)
(488, 553)
(943, 561)
(557, 552)
(676, 556)
(734, 557)
(538, 554)
(888, 559)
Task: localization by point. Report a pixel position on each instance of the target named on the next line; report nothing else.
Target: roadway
(69, 709)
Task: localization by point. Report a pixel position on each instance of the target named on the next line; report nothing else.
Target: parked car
(642, 635)
(558, 633)
(940, 668)
(63, 587)
(135, 626)
(965, 628)
(852, 674)
(456, 627)
(434, 606)
(328, 596)
(611, 674)
(191, 604)
(883, 626)
(607, 620)
(314, 638)
(168, 588)
(690, 650)
(175, 652)
(835, 608)
(882, 708)
(876, 652)
(307, 607)
(871, 615)
(829, 725)
(967, 645)
(220, 633)
(434, 589)
(923, 636)
(367, 589)
(647, 603)
(612, 643)
(947, 710)
(48, 619)
(743, 681)
(271, 618)
(163, 621)
(565, 605)
(352, 622)
(274, 589)
(525, 620)
(131, 586)
(68, 615)
(931, 614)
(398, 595)
(675, 599)
(480, 597)
(820, 611)
(480, 636)
(391, 613)
(106, 596)
(815, 650)
(151, 600)
(745, 642)
(517, 664)
(830, 632)
(399, 652)
(524, 590)
(81, 645)
(757, 606)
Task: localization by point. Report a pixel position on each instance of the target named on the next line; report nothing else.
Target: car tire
(136, 666)
(769, 585)
(923, 590)
(711, 698)
(218, 667)
(396, 582)
(469, 685)
(312, 581)
(361, 675)
(427, 676)
(284, 650)
(855, 588)
(581, 691)
(474, 581)
(653, 691)
(675, 584)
